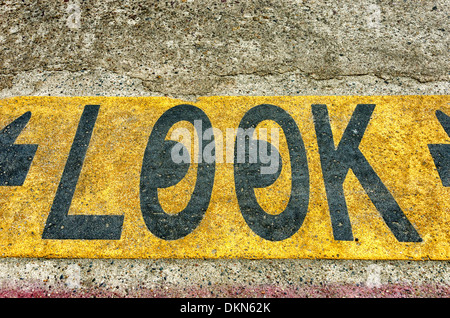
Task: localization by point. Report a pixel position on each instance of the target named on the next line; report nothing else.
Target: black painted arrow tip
(444, 120)
(441, 152)
(15, 160)
(9, 134)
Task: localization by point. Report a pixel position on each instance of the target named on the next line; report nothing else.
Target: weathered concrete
(195, 48)
(187, 49)
(225, 278)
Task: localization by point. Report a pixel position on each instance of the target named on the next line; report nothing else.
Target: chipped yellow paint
(395, 144)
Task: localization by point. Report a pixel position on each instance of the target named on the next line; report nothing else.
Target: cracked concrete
(189, 48)
(204, 47)
(100, 82)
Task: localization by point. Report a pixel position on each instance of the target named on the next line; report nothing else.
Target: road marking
(362, 177)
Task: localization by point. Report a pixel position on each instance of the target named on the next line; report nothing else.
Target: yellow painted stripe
(395, 144)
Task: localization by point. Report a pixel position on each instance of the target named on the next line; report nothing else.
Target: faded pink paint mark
(269, 291)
